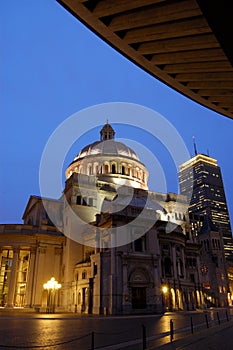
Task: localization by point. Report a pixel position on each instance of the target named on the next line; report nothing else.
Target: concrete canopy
(186, 44)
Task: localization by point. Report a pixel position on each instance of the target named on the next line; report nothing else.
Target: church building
(108, 245)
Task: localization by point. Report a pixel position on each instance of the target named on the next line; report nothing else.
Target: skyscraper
(201, 180)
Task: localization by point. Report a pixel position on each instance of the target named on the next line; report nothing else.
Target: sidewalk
(219, 337)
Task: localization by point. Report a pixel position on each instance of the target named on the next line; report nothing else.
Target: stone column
(125, 276)
(199, 280)
(39, 276)
(12, 279)
(174, 261)
(112, 277)
(183, 260)
(157, 284)
(30, 279)
(125, 288)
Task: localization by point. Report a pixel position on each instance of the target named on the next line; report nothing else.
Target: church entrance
(139, 297)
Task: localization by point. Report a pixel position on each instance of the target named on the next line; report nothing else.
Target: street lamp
(51, 286)
(165, 296)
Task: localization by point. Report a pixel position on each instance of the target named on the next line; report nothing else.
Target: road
(66, 332)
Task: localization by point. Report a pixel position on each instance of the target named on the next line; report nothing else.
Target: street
(69, 331)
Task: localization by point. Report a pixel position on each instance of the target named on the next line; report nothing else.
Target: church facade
(113, 246)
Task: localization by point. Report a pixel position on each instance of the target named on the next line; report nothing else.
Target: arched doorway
(139, 282)
(106, 169)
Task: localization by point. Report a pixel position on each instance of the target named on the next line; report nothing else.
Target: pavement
(218, 337)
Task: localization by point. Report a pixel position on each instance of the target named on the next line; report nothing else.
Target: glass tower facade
(200, 179)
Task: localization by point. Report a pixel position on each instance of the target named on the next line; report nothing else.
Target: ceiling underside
(186, 44)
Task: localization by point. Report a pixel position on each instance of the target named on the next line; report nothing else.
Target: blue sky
(52, 67)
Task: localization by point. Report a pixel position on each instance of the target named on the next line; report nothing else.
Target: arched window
(123, 170)
(106, 169)
(113, 168)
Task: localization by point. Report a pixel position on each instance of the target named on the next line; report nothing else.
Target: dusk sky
(52, 66)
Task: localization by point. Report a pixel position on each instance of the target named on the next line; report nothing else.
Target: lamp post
(51, 286)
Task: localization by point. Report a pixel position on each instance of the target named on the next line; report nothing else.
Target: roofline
(38, 199)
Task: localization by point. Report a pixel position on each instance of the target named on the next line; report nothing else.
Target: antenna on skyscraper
(194, 145)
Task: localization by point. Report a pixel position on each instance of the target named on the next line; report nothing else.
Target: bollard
(143, 337)
(92, 341)
(206, 319)
(218, 317)
(171, 330)
(227, 316)
(191, 320)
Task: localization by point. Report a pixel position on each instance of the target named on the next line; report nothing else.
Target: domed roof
(108, 147)
(110, 161)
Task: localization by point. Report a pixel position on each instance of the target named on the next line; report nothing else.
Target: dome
(108, 147)
(110, 161)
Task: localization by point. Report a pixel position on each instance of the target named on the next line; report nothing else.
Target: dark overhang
(186, 44)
